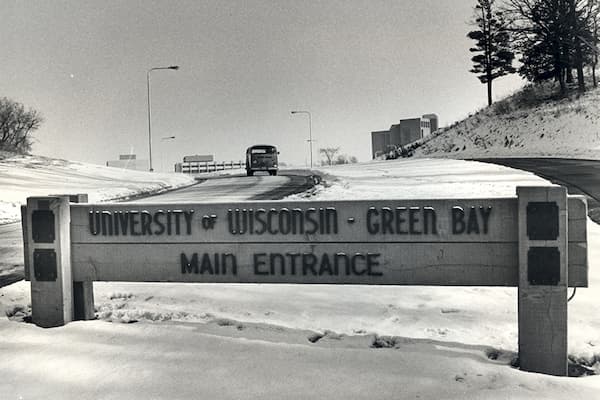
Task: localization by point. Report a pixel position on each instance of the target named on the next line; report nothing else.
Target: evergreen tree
(591, 38)
(494, 58)
(553, 38)
(578, 31)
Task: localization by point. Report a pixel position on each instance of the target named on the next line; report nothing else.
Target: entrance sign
(436, 242)
(520, 241)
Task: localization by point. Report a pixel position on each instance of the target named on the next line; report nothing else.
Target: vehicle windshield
(262, 150)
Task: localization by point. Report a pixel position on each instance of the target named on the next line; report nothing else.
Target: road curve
(578, 176)
(238, 187)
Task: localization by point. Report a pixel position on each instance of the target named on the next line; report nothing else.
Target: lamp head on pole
(175, 67)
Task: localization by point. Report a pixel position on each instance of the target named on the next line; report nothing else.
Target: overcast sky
(357, 66)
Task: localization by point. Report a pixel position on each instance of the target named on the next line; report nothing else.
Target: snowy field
(209, 341)
(419, 179)
(24, 176)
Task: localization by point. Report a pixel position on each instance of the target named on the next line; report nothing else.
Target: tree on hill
(593, 12)
(553, 38)
(494, 58)
(345, 159)
(580, 16)
(329, 153)
(16, 125)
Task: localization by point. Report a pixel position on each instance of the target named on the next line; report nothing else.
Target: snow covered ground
(524, 126)
(419, 179)
(210, 341)
(24, 176)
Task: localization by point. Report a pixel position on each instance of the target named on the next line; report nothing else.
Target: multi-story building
(380, 140)
(433, 121)
(407, 131)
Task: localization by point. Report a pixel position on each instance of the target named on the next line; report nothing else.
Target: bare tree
(329, 153)
(345, 159)
(16, 125)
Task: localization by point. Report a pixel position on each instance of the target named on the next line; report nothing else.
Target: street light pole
(310, 141)
(173, 67)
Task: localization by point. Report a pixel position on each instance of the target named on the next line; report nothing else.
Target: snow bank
(24, 176)
(419, 179)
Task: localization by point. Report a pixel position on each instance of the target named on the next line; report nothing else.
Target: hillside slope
(529, 123)
(25, 176)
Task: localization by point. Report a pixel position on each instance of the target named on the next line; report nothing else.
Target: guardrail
(199, 167)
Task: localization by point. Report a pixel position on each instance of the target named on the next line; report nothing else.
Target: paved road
(214, 189)
(579, 176)
(11, 254)
(239, 187)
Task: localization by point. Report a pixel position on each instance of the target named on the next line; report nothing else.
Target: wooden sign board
(434, 242)
(536, 241)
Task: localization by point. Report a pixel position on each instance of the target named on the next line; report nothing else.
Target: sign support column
(83, 291)
(49, 258)
(543, 279)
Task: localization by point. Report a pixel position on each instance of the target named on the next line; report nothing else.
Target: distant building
(407, 131)
(380, 140)
(433, 121)
(129, 161)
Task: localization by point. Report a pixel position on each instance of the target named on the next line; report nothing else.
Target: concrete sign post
(83, 290)
(49, 256)
(457, 242)
(543, 254)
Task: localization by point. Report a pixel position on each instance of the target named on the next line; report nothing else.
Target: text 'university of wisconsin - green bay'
(289, 221)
